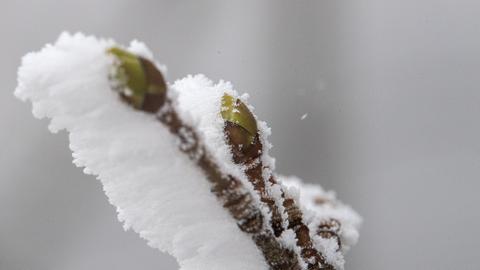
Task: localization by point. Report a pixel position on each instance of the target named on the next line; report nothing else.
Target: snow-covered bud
(241, 129)
(141, 84)
(235, 111)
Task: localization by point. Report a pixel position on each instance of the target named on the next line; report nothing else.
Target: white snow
(158, 192)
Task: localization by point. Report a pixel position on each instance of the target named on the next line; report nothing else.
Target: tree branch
(149, 93)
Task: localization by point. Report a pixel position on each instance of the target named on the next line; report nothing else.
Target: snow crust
(157, 191)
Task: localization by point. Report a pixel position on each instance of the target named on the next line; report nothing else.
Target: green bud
(145, 84)
(235, 111)
(130, 72)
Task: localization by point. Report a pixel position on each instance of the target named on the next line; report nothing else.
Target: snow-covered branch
(161, 163)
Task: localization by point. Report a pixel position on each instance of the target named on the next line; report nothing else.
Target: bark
(250, 156)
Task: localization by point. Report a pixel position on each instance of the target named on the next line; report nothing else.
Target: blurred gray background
(391, 89)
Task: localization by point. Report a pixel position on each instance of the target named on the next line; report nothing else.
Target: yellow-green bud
(235, 111)
(145, 85)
